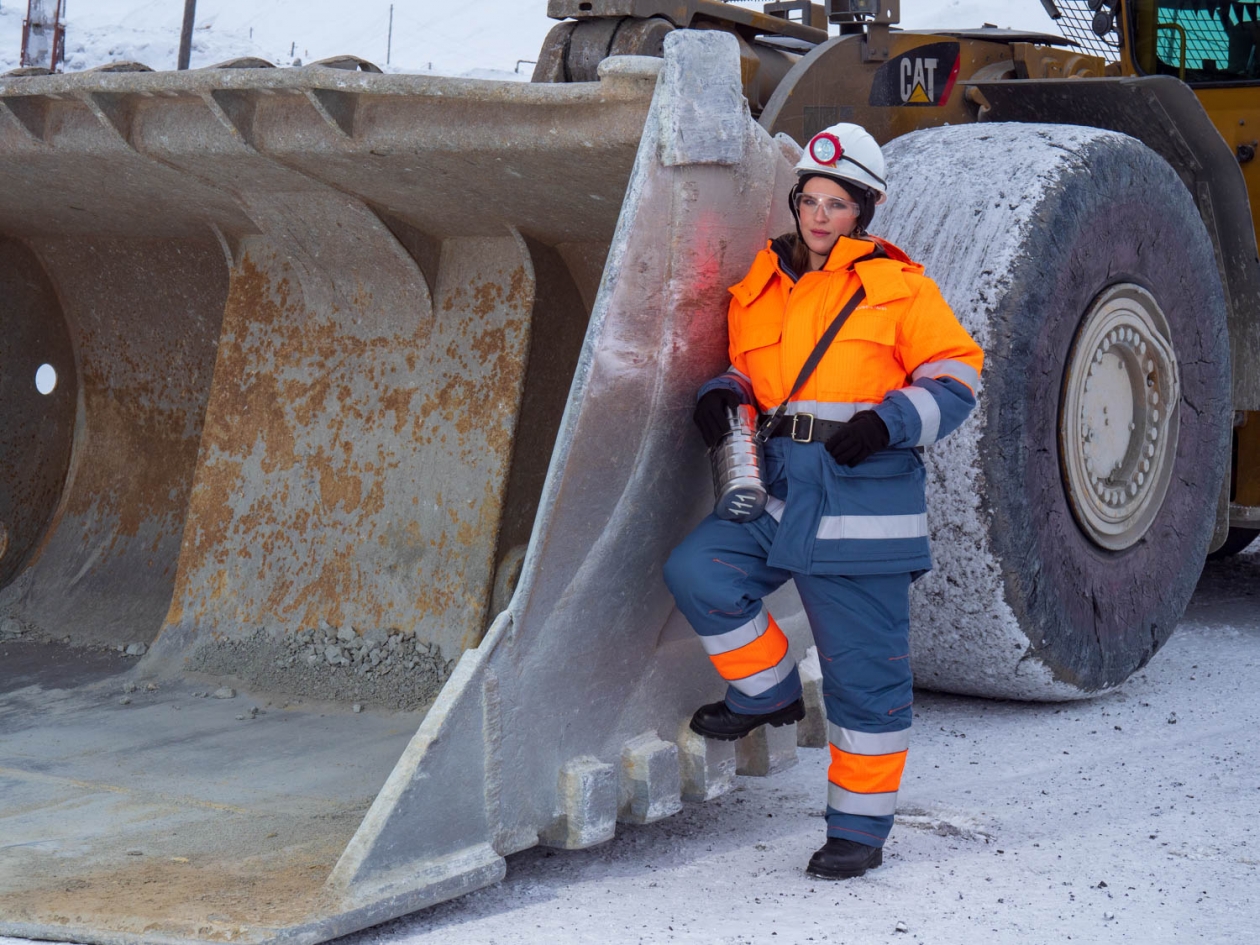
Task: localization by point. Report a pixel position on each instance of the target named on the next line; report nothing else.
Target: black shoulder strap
(811, 363)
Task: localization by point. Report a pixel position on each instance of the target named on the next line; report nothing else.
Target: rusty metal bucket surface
(348, 365)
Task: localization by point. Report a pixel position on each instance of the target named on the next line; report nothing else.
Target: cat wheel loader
(346, 425)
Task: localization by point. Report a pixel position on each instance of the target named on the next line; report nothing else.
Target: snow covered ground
(1128, 818)
(478, 37)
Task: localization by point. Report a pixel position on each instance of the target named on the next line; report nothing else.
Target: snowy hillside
(447, 38)
(475, 37)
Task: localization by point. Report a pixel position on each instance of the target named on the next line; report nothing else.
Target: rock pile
(382, 667)
(12, 629)
(375, 652)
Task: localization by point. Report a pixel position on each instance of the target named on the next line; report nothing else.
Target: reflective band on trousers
(834, 411)
(955, 369)
(869, 805)
(758, 683)
(866, 774)
(751, 645)
(868, 743)
(872, 527)
(740, 636)
(929, 412)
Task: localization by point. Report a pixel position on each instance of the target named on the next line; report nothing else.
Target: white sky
(453, 38)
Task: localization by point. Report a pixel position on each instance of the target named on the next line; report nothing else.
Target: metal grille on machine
(1091, 23)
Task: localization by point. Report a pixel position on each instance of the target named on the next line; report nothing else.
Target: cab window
(1199, 41)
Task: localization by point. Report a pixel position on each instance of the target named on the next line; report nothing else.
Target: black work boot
(844, 859)
(716, 720)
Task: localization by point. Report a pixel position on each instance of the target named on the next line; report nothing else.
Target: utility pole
(389, 42)
(185, 34)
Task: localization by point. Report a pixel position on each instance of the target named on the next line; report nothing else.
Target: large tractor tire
(1071, 515)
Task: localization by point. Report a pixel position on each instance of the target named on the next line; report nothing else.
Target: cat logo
(923, 76)
(918, 81)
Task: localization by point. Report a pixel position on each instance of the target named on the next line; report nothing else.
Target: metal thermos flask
(738, 464)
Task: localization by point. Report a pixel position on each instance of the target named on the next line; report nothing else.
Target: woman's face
(827, 212)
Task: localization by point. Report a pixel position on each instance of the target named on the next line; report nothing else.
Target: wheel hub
(1119, 418)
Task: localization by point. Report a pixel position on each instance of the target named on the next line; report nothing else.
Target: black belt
(805, 428)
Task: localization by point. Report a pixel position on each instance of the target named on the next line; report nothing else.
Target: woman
(846, 518)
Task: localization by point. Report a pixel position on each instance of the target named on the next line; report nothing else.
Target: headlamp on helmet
(826, 149)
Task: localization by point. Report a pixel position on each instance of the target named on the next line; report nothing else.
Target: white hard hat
(846, 152)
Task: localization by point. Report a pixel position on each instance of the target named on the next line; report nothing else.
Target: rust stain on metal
(314, 500)
(398, 402)
(203, 898)
(135, 389)
(120, 482)
(138, 405)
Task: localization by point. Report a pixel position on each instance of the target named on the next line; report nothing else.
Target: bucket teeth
(651, 780)
(707, 765)
(588, 805)
(766, 750)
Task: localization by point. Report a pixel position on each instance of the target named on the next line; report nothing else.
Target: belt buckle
(809, 435)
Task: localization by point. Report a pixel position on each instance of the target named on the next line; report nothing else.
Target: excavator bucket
(345, 429)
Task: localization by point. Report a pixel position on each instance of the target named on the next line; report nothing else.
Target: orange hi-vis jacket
(902, 353)
(903, 323)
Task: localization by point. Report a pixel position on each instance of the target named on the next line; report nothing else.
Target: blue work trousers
(861, 625)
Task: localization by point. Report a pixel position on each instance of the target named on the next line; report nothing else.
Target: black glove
(856, 440)
(710, 415)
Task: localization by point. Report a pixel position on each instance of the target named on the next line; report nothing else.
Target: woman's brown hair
(799, 258)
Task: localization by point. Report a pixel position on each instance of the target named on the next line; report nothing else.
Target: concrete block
(766, 751)
(707, 766)
(811, 732)
(587, 801)
(651, 780)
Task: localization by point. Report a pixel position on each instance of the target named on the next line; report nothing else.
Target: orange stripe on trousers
(866, 774)
(764, 652)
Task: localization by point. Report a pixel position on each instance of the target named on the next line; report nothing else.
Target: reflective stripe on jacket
(901, 353)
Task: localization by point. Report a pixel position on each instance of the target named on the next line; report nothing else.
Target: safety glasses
(808, 205)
